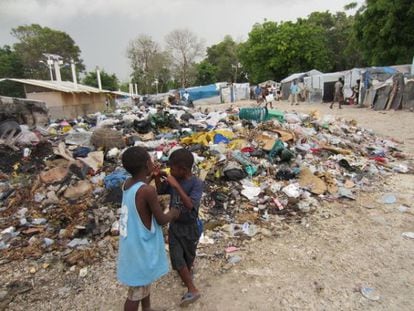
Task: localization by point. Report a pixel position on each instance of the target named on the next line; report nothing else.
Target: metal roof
(61, 86)
(125, 94)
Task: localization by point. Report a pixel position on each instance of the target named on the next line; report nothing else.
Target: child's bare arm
(150, 196)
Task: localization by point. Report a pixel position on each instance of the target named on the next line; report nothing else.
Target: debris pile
(60, 187)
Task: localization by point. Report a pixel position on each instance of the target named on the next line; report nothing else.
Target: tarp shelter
(384, 88)
(268, 82)
(370, 77)
(322, 87)
(64, 99)
(201, 92)
(234, 92)
(286, 82)
(408, 99)
(351, 79)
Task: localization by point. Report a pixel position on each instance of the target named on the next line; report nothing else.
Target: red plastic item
(247, 149)
(379, 159)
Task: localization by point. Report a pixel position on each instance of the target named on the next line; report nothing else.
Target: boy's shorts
(136, 293)
(183, 240)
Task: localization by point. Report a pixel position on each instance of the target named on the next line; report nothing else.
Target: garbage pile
(60, 186)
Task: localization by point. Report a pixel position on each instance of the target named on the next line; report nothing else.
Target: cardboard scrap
(311, 182)
(94, 160)
(266, 141)
(285, 136)
(146, 137)
(330, 182)
(336, 150)
(63, 152)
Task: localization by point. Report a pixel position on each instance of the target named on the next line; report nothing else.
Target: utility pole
(98, 76)
(56, 61)
(75, 80)
(49, 63)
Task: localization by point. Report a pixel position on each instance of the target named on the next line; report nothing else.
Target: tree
(344, 52)
(34, 40)
(224, 56)
(11, 66)
(185, 48)
(384, 31)
(148, 63)
(273, 51)
(108, 81)
(206, 73)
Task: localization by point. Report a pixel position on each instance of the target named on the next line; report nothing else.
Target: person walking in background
(186, 96)
(339, 93)
(258, 92)
(294, 91)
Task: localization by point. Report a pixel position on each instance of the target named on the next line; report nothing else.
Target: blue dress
(142, 258)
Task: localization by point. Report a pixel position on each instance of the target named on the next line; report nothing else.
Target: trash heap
(60, 186)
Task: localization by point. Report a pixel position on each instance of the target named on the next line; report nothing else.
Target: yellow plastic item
(237, 144)
(66, 129)
(206, 137)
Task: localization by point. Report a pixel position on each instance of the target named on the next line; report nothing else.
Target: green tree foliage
(124, 87)
(11, 66)
(34, 40)
(224, 56)
(206, 73)
(109, 81)
(343, 49)
(384, 30)
(273, 51)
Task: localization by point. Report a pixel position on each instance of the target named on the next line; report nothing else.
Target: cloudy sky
(103, 28)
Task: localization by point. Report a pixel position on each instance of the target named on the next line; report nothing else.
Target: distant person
(266, 91)
(258, 92)
(185, 192)
(294, 91)
(186, 96)
(252, 94)
(355, 90)
(141, 257)
(339, 93)
(302, 90)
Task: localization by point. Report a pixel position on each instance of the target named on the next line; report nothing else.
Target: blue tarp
(205, 91)
(378, 73)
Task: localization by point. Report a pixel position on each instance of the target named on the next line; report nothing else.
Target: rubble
(60, 193)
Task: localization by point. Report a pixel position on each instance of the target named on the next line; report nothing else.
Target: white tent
(286, 82)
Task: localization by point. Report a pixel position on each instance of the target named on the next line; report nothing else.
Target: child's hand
(172, 181)
(156, 171)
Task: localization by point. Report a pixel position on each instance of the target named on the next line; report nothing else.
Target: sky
(103, 28)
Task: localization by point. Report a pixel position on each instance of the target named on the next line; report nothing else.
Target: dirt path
(316, 264)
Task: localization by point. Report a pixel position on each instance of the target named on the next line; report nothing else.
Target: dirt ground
(318, 263)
